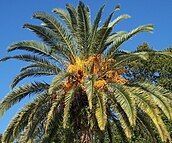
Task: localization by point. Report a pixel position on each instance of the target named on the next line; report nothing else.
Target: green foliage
(156, 69)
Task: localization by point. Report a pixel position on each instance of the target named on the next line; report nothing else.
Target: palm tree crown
(89, 89)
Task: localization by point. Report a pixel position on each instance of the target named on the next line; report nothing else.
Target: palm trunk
(86, 136)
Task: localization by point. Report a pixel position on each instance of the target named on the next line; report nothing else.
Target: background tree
(89, 90)
(157, 68)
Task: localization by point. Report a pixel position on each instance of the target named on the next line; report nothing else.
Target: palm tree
(89, 90)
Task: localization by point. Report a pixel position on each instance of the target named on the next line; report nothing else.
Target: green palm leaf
(19, 93)
(54, 110)
(34, 47)
(159, 99)
(68, 100)
(101, 110)
(54, 25)
(89, 85)
(65, 17)
(118, 19)
(41, 107)
(46, 34)
(20, 120)
(38, 71)
(94, 30)
(73, 17)
(144, 123)
(125, 37)
(124, 98)
(146, 104)
(40, 61)
(83, 29)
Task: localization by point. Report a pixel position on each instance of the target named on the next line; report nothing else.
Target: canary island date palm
(89, 90)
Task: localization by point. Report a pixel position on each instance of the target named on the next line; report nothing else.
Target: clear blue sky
(14, 13)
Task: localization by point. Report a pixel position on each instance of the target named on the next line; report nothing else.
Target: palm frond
(40, 61)
(94, 30)
(19, 122)
(161, 101)
(34, 47)
(37, 71)
(19, 93)
(9, 134)
(118, 19)
(125, 37)
(54, 25)
(124, 98)
(68, 101)
(83, 29)
(46, 34)
(100, 112)
(102, 35)
(89, 85)
(73, 17)
(165, 53)
(34, 122)
(122, 59)
(41, 107)
(113, 36)
(57, 82)
(52, 114)
(65, 17)
(145, 124)
(123, 123)
(145, 103)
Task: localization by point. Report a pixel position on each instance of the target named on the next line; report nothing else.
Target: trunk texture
(86, 136)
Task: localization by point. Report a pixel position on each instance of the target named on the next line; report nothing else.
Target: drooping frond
(124, 98)
(89, 85)
(34, 47)
(121, 130)
(163, 102)
(145, 103)
(123, 123)
(21, 120)
(46, 34)
(100, 112)
(41, 107)
(53, 112)
(19, 93)
(39, 60)
(144, 124)
(39, 114)
(36, 71)
(68, 101)
(57, 82)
